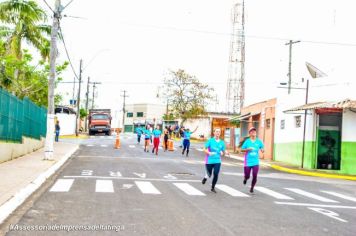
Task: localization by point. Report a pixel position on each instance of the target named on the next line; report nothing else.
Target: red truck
(99, 121)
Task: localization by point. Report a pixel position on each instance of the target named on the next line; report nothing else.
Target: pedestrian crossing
(197, 189)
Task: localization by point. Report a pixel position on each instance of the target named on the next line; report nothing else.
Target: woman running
(156, 137)
(252, 146)
(186, 140)
(147, 133)
(214, 149)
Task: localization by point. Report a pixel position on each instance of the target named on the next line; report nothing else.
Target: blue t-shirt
(138, 131)
(251, 157)
(214, 146)
(157, 133)
(147, 134)
(187, 134)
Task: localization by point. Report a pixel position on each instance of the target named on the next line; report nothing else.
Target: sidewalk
(23, 176)
(284, 167)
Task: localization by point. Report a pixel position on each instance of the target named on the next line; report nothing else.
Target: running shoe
(213, 190)
(204, 181)
(245, 181)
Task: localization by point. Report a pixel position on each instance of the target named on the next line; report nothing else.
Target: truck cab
(99, 121)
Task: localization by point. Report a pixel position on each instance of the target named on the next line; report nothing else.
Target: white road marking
(147, 187)
(87, 172)
(115, 174)
(160, 148)
(230, 191)
(127, 186)
(104, 186)
(129, 178)
(231, 164)
(328, 213)
(340, 195)
(103, 145)
(169, 176)
(91, 136)
(90, 145)
(62, 185)
(132, 146)
(315, 205)
(101, 136)
(311, 195)
(200, 149)
(273, 193)
(188, 189)
(143, 175)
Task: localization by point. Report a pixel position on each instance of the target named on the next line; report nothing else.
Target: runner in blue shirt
(252, 147)
(139, 132)
(148, 134)
(214, 149)
(186, 139)
(156, 138)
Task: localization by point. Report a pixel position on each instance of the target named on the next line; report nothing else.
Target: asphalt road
(137, 193)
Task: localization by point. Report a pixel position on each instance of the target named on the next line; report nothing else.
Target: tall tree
(24, 21)
(188, 96)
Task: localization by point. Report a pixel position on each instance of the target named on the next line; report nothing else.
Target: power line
(231, 34)
(66, 50)
(48, 6)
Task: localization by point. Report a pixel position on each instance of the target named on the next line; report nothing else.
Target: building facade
(138, 115)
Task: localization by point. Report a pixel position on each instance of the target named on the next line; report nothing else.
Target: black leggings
(165, 143)
(209, 170)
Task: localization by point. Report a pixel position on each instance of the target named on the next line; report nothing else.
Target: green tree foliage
(188, 96)
(24, 21)
(83, 113)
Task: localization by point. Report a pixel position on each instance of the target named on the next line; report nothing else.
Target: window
(298, 121)
(283, 124)
(129, 114)
(99, 117)
(139, 114)
(268, 123)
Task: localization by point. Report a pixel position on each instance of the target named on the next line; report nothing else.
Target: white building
(330, 137)
(142, 114)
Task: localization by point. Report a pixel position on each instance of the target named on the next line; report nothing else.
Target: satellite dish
(314, 72)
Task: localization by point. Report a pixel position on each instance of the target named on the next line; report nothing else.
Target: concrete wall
(9, 151)
(348, 145)
(203, 124)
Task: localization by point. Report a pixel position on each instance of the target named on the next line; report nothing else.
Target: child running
(186, 140)
(214, 149)
(147, 133)
(139, 133)
(156, 136)
(252, 146)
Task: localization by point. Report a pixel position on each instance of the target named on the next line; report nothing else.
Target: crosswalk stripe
(188, 189)
(90, 145)
(310, 195)
(103, 145)
(273, 193)
(340, 195)
(132, 146)
(62, 185)
(104, 186)
(147, 187)
(230, 191)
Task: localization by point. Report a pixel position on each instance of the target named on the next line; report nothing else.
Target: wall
(203, 124)
(9, 151)
(67, 123)
(348, 145)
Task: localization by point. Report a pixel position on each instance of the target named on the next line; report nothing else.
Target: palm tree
(24, 22)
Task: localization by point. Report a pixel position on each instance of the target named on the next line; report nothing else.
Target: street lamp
(305, 115)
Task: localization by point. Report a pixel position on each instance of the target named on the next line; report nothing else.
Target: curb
(315, 174)
(12, 204)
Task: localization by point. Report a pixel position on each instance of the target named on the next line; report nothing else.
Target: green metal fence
(20, 118)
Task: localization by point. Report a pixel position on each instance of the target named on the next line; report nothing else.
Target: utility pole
(87, 104)
(123, 111)
(73, 91)
(78, 99)
(305, 122)
(291, 42)
(94, 86)
(51, 80)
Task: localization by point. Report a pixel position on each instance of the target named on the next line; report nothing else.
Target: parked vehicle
(100, 121)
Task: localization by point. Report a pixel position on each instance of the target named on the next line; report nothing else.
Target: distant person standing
(214, 149)
(186, 140)
(156, 138)
(166, 137)
(181, 134)
(139, 133)
(252, 146)
(57, 130)
(151, 130)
